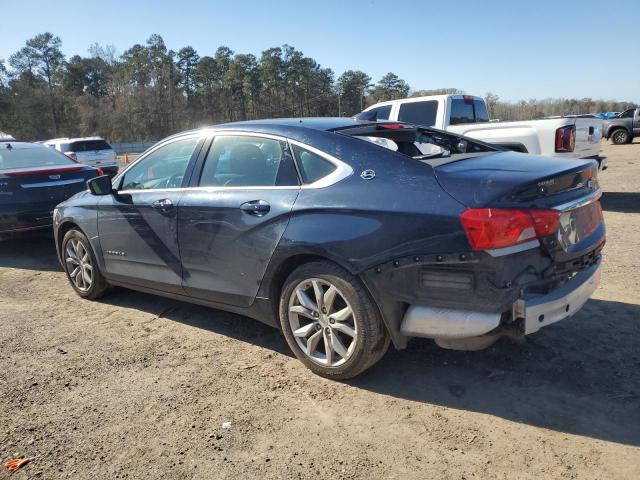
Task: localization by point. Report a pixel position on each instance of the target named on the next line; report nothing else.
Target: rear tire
(620, 136)
(81, 266)
(330, 321)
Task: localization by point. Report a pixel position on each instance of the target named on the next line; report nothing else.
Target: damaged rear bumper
(534, 312)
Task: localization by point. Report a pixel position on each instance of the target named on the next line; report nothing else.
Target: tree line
(150, 91)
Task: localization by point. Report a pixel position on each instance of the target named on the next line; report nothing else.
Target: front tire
(330, 321)
(81, 266)
(620, 136)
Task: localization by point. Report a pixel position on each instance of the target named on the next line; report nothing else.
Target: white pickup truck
(467, 115)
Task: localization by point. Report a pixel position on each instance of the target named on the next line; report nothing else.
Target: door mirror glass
(100, 185)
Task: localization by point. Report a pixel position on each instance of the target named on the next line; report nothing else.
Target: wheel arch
(280, 272)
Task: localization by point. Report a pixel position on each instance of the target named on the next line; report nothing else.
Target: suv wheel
(620, 136)
(81, 266)
(330, 321)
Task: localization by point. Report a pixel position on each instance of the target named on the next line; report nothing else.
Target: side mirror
(100, 185)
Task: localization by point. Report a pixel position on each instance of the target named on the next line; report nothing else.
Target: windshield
(425, 144)
(27, 156)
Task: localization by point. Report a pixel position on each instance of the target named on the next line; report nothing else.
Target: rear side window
(27, 157)
(87, 146)
(312, 166)
(461, 112)
(244, 161)
(419, 113)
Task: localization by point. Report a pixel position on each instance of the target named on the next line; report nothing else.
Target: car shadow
(625, 202)
(217, 321)
(580, 376)
(29, 251)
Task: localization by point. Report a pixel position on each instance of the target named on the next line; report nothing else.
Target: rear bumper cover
(535, 311)
(562, 303)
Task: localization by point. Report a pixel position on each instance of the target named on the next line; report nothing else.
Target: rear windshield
(86, 146)
(424, 144)
(468, 110)
(19, 156)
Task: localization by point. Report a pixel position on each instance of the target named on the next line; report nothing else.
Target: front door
(138, 225)
(233, 216)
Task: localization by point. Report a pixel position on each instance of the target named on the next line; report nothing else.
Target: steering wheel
(175, 181)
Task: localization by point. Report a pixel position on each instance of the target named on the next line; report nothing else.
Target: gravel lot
(137, 386)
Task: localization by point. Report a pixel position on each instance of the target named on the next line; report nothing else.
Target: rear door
(138, 225)
(232, 217)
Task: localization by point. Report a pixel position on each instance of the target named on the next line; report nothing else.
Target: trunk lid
(49, 185)
(513, 180)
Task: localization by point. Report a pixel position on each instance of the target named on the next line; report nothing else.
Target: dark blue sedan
(33, 180)
(346, 235)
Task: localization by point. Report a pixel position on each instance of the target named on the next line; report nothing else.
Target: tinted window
(241, 161)
(312, 167)
(420, 113)
(379, 113)
(627, 114)
(87, 146)
(481, 111)
(25, 156)
(163, 168)
(461, 111)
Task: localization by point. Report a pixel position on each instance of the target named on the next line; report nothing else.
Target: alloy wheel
(322, 322)
(620, 136)
(79, 264)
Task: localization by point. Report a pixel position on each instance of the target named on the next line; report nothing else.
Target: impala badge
(368, 175)
(54, 177)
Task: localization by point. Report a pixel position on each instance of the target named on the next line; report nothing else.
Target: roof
(315, 123)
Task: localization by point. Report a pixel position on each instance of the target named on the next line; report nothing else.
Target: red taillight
(72, 156)
(489, 228)
(100, 172)
(566, 139)
(393, 126)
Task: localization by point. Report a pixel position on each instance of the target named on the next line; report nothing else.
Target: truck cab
(569, 137)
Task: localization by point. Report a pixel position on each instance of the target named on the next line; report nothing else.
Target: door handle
(257, 208)
(164, 205)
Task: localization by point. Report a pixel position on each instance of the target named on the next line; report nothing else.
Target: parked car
(33, 180)
(567, 137)
(623, 127)
(94, 151)
(311, 226)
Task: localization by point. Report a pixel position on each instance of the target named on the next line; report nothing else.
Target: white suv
(94, 151)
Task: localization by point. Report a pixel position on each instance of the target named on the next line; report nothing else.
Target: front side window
(163, 168)
(375, 114)
(461, 112)
(419, 113)
(627, 114)
(312, 166)
(245, 161)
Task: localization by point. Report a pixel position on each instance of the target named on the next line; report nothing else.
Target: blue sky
(516, 49)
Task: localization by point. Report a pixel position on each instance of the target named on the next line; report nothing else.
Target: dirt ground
(137, 386)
